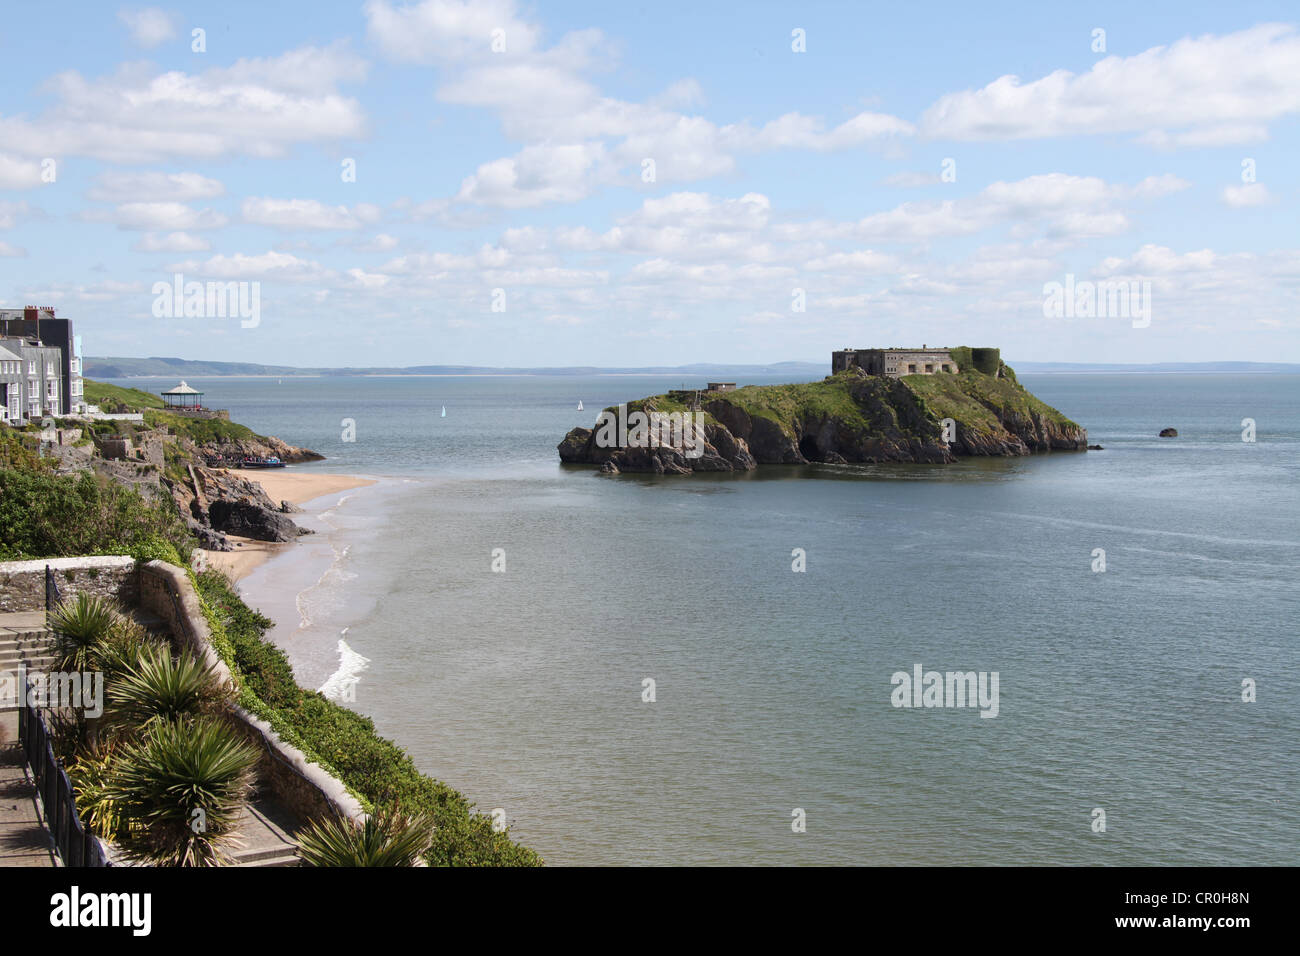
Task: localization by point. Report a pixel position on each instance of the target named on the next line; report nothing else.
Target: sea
(715, 669)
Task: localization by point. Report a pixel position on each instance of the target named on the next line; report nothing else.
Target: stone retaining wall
(22, 583)
(165, 591)
(304, 787)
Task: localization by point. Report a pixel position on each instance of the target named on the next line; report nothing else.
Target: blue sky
(524, 170)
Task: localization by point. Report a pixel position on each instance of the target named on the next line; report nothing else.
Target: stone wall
(894, 362)
(304, 787)
(22, 583)
(165, 591)
(205, 413)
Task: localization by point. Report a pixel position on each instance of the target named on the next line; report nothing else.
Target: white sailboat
(444, 411)
(579, 405)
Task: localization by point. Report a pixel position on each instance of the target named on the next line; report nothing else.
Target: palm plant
(81, 626)
(387, 838)
(92, 775)
(158, 687)
(182, 785)
(122, 648)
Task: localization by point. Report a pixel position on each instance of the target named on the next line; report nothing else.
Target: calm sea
(1119, 691)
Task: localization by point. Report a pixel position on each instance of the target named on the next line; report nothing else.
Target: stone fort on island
(895, 362)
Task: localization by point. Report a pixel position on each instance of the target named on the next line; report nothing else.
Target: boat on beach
(252, 462)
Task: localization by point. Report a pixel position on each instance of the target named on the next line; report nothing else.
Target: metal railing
(52, 595)
(76, 845)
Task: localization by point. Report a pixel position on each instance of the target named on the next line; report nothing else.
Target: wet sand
(294, 487)
(297, 487)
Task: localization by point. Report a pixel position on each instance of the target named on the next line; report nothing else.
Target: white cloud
(307, 214)
(172, 242)
(1207, 90)
(1251, 194)
(158, 216)
(18, 173)
(276, 266)
(912, 179)
(256, 107)
(440, 31)
(150, 27)
(8, 251)
(142, 186)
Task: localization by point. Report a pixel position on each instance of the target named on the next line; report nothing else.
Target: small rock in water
(1169, 433)
(1095, 448)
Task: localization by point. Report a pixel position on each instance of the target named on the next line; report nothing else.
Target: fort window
(911, 368)
(929, 369)
(947, 368)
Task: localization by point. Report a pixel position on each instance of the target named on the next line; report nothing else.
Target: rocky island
(970, 404)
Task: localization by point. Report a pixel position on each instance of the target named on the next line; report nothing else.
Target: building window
(946, 368)
(31, 366)
(929, 369)
(49, 368)
(911, 369)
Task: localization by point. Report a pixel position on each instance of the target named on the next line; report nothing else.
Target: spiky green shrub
(387, 838)
(122, 648)
(81, 625)
(160, 687)
(182, 786)
(92, 776)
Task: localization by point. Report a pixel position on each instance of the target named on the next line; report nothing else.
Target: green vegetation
(129, 769)
(977, 400)
(987, 361)
(386, 838)
(344, 742)
(81, 624)
(115, 398)
(162, 774)
(783, 404)
(49, 516)
(199, 430)
(181, 787)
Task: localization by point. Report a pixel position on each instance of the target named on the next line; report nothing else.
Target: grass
(129, 399)
(971, 396)
(974, 398)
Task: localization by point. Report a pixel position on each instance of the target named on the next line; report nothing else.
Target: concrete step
(289, 860)
(33, 658)
(30, 654)
(26, 638)
(262, 856)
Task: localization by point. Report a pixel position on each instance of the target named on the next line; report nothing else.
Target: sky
(625, 184)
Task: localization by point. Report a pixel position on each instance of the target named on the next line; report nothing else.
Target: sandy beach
(293, 487)
(297, 487)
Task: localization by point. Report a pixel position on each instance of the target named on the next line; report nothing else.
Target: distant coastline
(123, 368)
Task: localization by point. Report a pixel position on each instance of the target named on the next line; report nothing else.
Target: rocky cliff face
(262, 446)
(849, 417)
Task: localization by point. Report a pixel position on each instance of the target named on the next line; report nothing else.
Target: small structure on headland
(721, 386)
(182, 398)
(895, 363)
(186, 400)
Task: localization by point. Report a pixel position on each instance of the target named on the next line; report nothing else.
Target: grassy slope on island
(977, 400)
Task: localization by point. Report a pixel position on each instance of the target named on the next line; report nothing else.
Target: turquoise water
(1118, 690)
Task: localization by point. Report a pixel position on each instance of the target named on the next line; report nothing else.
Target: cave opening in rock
(808, 448)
